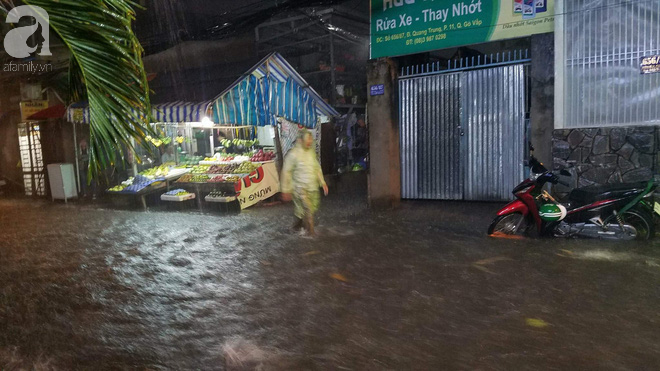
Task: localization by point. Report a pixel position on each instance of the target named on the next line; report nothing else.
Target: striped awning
(167, 112)
(271, 89)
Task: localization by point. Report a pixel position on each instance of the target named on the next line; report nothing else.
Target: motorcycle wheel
(642, 222)
(506, 224)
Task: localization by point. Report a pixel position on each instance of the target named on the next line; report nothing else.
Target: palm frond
(76, 84)
(107, 61)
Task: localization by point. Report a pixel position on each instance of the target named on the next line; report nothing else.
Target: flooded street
(418, 288)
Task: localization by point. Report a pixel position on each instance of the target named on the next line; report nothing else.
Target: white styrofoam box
(188, 196)
(220, 199)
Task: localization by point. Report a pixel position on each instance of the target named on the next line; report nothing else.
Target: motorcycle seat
(591, 194)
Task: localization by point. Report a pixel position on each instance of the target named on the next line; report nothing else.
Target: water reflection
(417, 288)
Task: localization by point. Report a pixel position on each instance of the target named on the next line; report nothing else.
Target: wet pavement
(419, 288)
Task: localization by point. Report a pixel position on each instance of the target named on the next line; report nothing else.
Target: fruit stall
(243, 179)
(215, 164)
(220, 160)
(273, 96)
(179, 113)
(193, 159)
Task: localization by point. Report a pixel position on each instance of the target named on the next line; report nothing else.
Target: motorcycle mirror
(531, 147)
(564, 172)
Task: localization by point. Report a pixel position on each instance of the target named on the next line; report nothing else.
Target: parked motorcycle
(616, 212)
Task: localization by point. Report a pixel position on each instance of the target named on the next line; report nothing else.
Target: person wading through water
(301, 179)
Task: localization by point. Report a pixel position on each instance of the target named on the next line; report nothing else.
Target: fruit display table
(239, 179)
(259, 182)
(199, 189)
(221, 198)
(146, 183)
(141, 195)
(178, 199)
(175, 174)
(177, 195)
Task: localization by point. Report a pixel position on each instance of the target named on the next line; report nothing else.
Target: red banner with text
(258, 185)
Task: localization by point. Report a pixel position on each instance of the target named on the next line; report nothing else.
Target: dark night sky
(198, 47)
(168, 22)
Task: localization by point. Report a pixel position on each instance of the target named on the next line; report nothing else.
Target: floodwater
(419, 288)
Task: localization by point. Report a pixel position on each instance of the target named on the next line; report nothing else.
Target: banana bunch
(238, 142)
(158, 141)
(118, 188)
(158, 171)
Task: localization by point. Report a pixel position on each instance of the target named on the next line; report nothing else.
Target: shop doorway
(463, 128)
(32, 162)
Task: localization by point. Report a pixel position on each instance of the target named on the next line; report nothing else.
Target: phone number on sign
(422, 40)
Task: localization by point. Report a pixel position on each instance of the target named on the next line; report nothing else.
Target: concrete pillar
(383, 122)
(543, 96)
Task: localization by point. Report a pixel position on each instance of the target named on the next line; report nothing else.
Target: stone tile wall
(607, 155)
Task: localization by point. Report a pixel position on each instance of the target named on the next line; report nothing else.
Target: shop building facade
(458, 126)
(607, 115)
(463, 94)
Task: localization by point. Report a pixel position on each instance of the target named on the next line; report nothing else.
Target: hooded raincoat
(302, 177)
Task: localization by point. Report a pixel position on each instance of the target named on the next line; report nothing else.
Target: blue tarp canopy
(271, 89)
(167, 112)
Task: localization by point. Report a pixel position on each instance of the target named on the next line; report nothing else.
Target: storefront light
(206, 122)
